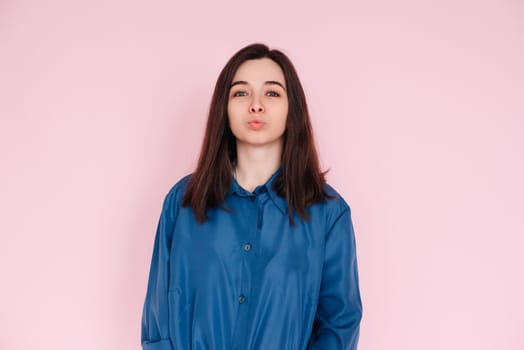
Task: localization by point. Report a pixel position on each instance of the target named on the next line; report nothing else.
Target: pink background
(418, 108)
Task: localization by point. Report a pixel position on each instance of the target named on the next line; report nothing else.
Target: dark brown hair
(301, 180)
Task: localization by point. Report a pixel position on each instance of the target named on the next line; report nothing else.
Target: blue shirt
(248, 280)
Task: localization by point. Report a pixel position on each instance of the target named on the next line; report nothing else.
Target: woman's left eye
(273, 94)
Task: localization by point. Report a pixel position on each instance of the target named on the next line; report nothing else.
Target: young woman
(254, 250)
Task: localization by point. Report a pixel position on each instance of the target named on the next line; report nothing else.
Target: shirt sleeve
(155, 314)
(339, 311)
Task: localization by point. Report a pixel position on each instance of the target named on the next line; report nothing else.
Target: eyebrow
(268, 82)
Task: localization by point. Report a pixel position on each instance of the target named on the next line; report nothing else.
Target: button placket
(247, 257)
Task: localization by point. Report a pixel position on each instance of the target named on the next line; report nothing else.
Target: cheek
(229, 109)
(233, 111)
(231, 115)
(234, 118)
(283, 114)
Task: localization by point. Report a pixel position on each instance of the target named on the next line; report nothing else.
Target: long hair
(301, 180)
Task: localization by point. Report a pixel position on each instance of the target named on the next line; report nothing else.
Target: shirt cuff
(164, 344)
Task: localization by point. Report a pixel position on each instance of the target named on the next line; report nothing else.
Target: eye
(273, 94)
(239, 93)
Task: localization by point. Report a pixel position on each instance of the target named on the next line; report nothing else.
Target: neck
(256, 164)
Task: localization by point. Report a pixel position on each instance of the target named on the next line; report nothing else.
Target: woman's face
(258, 105)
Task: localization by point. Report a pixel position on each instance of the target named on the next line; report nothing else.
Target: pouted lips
(256, 124)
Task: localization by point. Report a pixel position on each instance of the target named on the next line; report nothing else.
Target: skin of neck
(256, 163)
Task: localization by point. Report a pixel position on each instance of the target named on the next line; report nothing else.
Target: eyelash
(269, 93)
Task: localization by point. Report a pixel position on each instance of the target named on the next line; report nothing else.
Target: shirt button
(241, 299)
(247, 247)
(252, 198)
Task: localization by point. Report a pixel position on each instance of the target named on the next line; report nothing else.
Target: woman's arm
(339, 310)
(155, 316)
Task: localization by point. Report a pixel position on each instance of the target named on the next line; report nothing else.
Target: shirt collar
(279, 201)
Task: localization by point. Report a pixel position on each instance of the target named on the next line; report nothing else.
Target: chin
(262, 141)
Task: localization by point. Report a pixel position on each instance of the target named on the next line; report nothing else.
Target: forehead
(259, 70)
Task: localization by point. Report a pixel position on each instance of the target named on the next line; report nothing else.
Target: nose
(256, 106)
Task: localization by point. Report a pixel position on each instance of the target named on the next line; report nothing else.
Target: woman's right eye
(239, 93)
